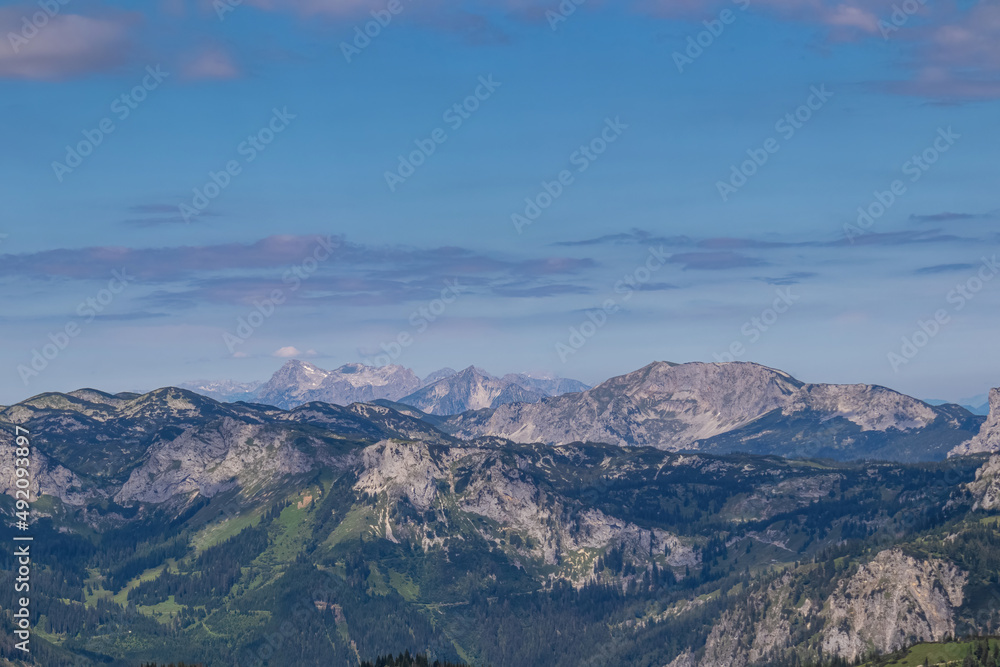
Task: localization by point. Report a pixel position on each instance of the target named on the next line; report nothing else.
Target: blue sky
(642, 238)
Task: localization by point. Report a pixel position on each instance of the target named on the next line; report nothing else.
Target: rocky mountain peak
(300, 371)
(439, 375)
(474, 372)
(988, 438)
(299, 382)
(475, 389)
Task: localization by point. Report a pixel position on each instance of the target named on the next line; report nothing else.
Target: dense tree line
(213, 573)
(406, 660)
(361, 597)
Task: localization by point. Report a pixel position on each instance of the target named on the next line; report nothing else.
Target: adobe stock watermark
(754, 328)
(957, 298)
(86, 312)
(562, 12)
(420, 321)
(264, 309)
(364, 34)
(697, 44)
(32, 25)
(901, 14)
(582, 158)
(918, 165)
(454, 117)
(249, 149)
(787, 126)
(122, 107)
(597, 318)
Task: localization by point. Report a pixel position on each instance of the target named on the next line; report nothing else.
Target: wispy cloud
(951, 51)
(214, 62)
(793, 278)
(944, 217)
(714, 261)
(634, 236)
(944, 268)
(65, 47)
(188, 276)
(843, 18)
(154, 215)
(541, 291)
(898, 238)
(335, 8)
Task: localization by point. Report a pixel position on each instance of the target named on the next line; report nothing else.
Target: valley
(169, 526)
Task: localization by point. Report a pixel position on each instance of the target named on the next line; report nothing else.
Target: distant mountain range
(169, 525)
(977, 405)
(443, 392)
(475, 389)
(709, 407)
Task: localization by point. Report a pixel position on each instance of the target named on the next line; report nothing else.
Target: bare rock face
(212, 459)
(685, 659)
(47, 477)
(758, 634)
(455, 483)
(871, 407)
(403, 470)
(988, 439)
(892, 602)
(986, 488)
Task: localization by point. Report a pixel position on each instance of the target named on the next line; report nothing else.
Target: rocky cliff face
(47, 477)
(298, 382)
(889, 603)
(986, 488)
(673, 407)
(448, 485)
(218, 457)
(892, 602)
(759, 633)
(988, 438)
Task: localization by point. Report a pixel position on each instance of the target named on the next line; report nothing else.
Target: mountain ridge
(672, 406)
(177, 522)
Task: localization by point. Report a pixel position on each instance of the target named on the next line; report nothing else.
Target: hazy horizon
(971, 399)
